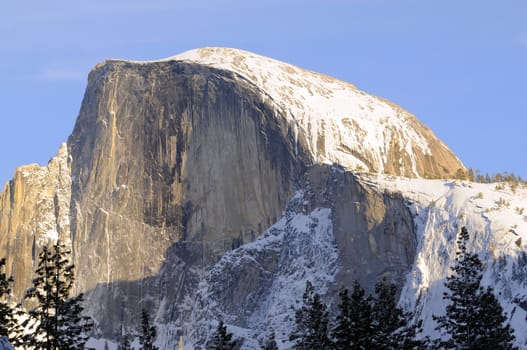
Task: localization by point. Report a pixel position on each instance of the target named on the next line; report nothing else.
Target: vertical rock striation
(170, 152)
(174, 165)
(34, 211)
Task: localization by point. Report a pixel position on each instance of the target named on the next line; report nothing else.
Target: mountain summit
(342, 124)
(212, 184)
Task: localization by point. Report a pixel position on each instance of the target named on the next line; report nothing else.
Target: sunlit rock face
(170, 152)
(175, 167)
(34, 211)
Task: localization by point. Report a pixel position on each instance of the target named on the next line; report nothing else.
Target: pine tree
(311, 328)
(495, 332)
(125, 343)
(270, 342)
(474, 317)
(343, 332)
(388, 318)
(148, 333)
(6, 312)
(221, 339)
(56, 322)
(470, 175)
(392, 327)
(354, 323)
(9, 326)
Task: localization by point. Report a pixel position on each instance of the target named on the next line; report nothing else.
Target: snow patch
(496, 223)
(339, 120)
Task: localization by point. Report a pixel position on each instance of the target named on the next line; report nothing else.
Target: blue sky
(459, 66)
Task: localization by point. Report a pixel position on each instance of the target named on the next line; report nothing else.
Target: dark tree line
(362, 322)
(474, 318)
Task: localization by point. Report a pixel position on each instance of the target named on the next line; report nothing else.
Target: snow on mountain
(343, 124)
(495, 217)
(348, 127)
(253, 286)
(493, 213)
(299, 247)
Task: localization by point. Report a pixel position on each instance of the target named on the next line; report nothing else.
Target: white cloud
(58, 74)
(521, 40)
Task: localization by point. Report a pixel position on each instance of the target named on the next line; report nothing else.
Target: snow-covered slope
(342, 124)
(493, 213)
(175, 163)
(495, 217)
(301, 247)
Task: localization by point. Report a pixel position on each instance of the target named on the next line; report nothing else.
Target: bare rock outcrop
(174, 164)
(34, 211)
(170, 152)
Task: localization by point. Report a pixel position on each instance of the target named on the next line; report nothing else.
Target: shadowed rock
(173, 164)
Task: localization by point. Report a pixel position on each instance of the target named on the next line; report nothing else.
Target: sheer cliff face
(167, 152)
(174, 164)
(374, 230)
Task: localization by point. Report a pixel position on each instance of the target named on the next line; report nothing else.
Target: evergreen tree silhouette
(148, 334)
(221, 339)
(354, 322)
(474, 318)
(311, 323)
(56, 322)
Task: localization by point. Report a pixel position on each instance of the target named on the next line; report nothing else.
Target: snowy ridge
(342, 124)
(337, 118)
(495, 217)
(303, 248)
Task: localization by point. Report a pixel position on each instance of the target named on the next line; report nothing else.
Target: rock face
(342, 124)
(174, 167)
(34, 211)
(172, 152)
(334, 231)
(374, 230)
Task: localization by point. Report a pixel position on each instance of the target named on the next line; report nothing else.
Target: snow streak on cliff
(172, 163)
